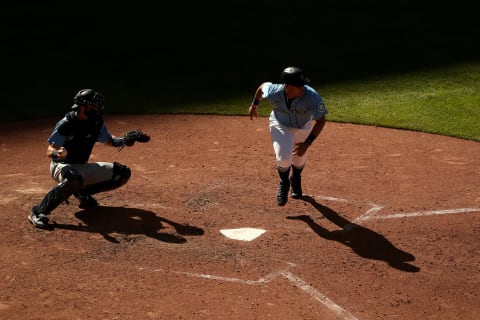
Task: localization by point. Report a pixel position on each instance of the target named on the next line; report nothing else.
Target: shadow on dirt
(365, 242)
(107, 220)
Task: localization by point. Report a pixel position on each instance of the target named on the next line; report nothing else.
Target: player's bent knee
(121, 174)
(71, 182)
(71, 175)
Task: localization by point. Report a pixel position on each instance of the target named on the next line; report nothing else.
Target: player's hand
(300, 148)
(253, 111)
(62, 153)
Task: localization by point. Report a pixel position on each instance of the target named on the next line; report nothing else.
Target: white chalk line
(344, 314)
(372, 213)
(296, 281)
(269, 277)
(368, 214)
(423, 213)
(332, 199)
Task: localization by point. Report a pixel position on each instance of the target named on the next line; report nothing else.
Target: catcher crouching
(70, 146)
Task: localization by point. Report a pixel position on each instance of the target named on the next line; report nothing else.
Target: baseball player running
(70, 146)
(297, 118)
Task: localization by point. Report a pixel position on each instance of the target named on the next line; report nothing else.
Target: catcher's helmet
(294, 76)
(89, 96)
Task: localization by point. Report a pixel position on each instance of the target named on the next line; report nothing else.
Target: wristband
(310, 138)
(117, 142)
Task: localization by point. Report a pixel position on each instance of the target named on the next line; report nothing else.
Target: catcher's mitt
(132, 136)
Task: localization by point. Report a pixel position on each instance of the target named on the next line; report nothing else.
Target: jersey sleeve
(266, 90)
(59, 133)
(320, 110)
(104, 135)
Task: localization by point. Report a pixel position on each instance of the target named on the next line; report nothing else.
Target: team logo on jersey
(322, 108)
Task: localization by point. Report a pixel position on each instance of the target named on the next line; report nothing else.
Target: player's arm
(253, 109)
(114, 141)
(109, 139)
(55, 149)
(301, 148)
(316, 130)
(128, 139)
(56, 152)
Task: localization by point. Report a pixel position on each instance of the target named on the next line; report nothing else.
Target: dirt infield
(389, 228)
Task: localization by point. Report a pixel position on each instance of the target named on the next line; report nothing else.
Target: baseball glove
(133, 136)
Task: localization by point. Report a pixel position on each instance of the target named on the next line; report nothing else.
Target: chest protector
(81, 136)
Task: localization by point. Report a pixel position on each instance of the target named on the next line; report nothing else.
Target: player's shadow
(107, 220)
(363, 241)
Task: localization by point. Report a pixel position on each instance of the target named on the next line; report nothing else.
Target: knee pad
(71, 175)
(71, 182)
(121, 174)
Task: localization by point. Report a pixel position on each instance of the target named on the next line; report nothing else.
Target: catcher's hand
(132, 136)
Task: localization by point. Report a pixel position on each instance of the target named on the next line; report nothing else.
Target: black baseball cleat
(38, 220)
(282, 194)
(86, 202)
(297, 192)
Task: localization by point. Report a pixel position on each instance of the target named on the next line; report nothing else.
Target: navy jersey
(78, 136)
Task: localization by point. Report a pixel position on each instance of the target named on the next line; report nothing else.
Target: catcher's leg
(71, 183)
(121, 174)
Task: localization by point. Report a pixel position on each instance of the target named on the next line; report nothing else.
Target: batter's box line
(373, 212)
(374, 209)
(269, 277)
(292, 278)
(425, 213)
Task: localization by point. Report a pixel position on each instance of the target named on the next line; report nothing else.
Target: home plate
(244, 234)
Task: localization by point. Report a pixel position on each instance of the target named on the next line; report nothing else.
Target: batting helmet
(294, 76)
(89, 96)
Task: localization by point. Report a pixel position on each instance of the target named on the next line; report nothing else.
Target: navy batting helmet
(89, 96)
(294, 76)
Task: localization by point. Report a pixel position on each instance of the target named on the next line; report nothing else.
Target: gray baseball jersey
(302, 109)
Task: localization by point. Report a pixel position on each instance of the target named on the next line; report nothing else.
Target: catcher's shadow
(108, 220)
(365, 242)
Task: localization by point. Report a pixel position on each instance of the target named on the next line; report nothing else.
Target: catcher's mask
(89, 97)
(294, 76)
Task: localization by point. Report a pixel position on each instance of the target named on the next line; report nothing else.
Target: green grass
(443, 101)
(399, 64)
